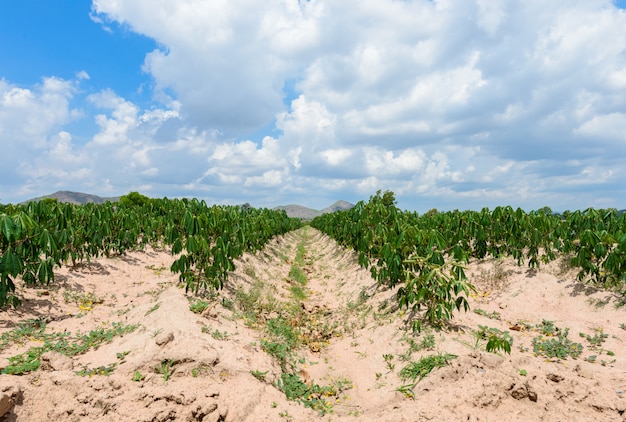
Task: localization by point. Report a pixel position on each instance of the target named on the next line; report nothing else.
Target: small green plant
(31, 329)
(228, 304)
(496, 340)
(101, 370)
(522, 372)
(597, 339)
(560, 347)
(157, 270)
(138, 377)
(85, 301)
(424, 366)
(388, 358)
(427, 343)
(298, 292)
(66, 344)
(310, 394)
(492, 315)
(154, 308)
(407, 390)
(259, 375)
(297, 274)
(285, 415)
(165, 368)
(216, 334)
(547, 328)
(122, 355)
(199, 306)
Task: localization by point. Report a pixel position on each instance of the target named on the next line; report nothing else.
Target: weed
(157, 270)
(65, 344)
(216, 334)
(560, 347)
(259, 375)
(407, 390)
(85, 301)
(199, 306)
(249, 271)
(547, 328)
(154, 308)
(228, 304)
(101, 370)
(280, 351)
(309, 394)
(122, 355)
(424, 366)
(496, 339)
(297, 293)
(388, 358)
(362, 355)
(297, 274)
(492, 315)
(32, 329)
(285, 415)
(427, 343)
(522, 372)
(597, 339)
(123, 311)
(138, 377)
(165, 368)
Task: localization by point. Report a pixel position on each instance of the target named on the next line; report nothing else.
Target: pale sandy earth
(211, 380)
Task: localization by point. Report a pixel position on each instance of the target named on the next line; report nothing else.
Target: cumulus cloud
(451, 102)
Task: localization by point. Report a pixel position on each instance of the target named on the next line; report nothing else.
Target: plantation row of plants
(39, 236)
(426, 254)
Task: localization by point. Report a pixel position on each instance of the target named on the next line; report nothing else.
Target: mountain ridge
(299, 211)
(292, 210)
(78, 198)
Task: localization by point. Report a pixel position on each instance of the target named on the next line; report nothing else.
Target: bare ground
(181, 365)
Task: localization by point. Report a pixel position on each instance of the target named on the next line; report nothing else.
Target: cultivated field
(302, 333)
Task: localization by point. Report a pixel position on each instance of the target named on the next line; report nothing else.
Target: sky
(450, 104)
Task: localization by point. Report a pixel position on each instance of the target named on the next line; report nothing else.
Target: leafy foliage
(426, 254)
(39, 236)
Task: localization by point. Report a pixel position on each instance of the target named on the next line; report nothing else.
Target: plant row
(425, 254)
(39, 236)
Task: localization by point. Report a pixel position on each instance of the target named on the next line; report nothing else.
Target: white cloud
(453, 102)
(335, 157)
(612, 126)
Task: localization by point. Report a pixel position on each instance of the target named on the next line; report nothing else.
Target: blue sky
(452, 104)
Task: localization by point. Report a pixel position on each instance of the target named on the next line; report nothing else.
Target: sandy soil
(355, 338)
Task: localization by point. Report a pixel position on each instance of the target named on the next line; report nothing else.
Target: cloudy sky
(451, 104)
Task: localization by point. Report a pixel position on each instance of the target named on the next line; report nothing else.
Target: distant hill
(78, 198)
(298, 211)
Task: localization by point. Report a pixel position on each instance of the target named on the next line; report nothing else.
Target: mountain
(78, 198)
(295, 211)
(298, 211)
(337, 206)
